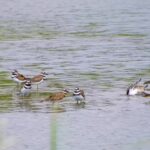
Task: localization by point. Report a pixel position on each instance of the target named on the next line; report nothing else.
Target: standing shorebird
(135, 89)
(57, 96)
(78, 95)
(17, 77)
(26, 89)
(39, 78)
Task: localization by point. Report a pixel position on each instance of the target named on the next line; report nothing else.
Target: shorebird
(39, 78)
(17, 77)
(78, 95)
(26, 89)
(135, 89)
(57, 96)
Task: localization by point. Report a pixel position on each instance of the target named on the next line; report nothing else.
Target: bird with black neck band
(26, 89)
(79, 95)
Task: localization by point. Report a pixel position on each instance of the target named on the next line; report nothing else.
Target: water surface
(100, 46)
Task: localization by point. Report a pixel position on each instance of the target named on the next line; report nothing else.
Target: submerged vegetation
(32, 32)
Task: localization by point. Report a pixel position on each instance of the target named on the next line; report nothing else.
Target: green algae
(4, 81)
(86, 34)
(5, 102)
(106, 85)
(56, 84)
(92, 26)
(10, 34)
(3, 73)
(130, 35)
(5, 97)
(90, 75)
(142, 73)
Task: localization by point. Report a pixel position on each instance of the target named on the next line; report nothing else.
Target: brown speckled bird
(57, 96)
(17, 77)
(39, 78)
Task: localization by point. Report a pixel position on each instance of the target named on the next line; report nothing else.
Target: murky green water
(100, 46)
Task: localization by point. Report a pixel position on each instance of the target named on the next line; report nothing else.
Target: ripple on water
(100, 46)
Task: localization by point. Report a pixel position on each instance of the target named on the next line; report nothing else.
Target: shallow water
(100, 46)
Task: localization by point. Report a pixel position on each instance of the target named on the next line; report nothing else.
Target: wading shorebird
(39, 78)
(135, 89)
(58, 96)
(17, 77)
(26, 89)
(78, 95)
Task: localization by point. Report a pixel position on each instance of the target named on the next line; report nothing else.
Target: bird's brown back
(140, 88)
(21, 77)
(56, 96)
(37, 78)
(82, 93)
